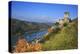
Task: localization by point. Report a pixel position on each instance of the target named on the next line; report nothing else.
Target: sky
(41, 12)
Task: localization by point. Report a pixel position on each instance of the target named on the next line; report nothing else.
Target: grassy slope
(64, 39)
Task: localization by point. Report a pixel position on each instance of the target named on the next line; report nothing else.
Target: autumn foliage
(50, 30)
(23, 46)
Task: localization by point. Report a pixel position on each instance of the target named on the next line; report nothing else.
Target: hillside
(66, 38)
(19, 27)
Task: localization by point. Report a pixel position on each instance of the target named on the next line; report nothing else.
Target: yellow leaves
(50, 30)
(37, 47)
(24, 46)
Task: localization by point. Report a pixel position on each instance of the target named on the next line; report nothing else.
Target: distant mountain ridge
(20, 27)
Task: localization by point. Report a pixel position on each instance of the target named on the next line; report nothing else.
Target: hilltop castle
(61, 23)
(65, 20)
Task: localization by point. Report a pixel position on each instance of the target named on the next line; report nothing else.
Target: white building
(64, 20)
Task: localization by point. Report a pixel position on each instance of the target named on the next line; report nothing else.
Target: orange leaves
(21, 45)
(37, 47)
(24, 46)
(50, 30)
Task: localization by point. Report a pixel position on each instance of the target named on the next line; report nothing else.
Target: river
(29, 37)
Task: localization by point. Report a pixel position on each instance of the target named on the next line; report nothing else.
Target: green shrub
(65, 24)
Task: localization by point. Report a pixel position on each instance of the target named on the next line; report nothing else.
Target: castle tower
(66, 16)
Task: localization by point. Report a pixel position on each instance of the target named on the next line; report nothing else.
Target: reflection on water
(29, 37)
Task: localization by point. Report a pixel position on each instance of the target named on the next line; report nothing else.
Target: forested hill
(19, 27)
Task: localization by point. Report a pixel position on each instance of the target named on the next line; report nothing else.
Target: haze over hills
(42, 26)
(20, 27)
